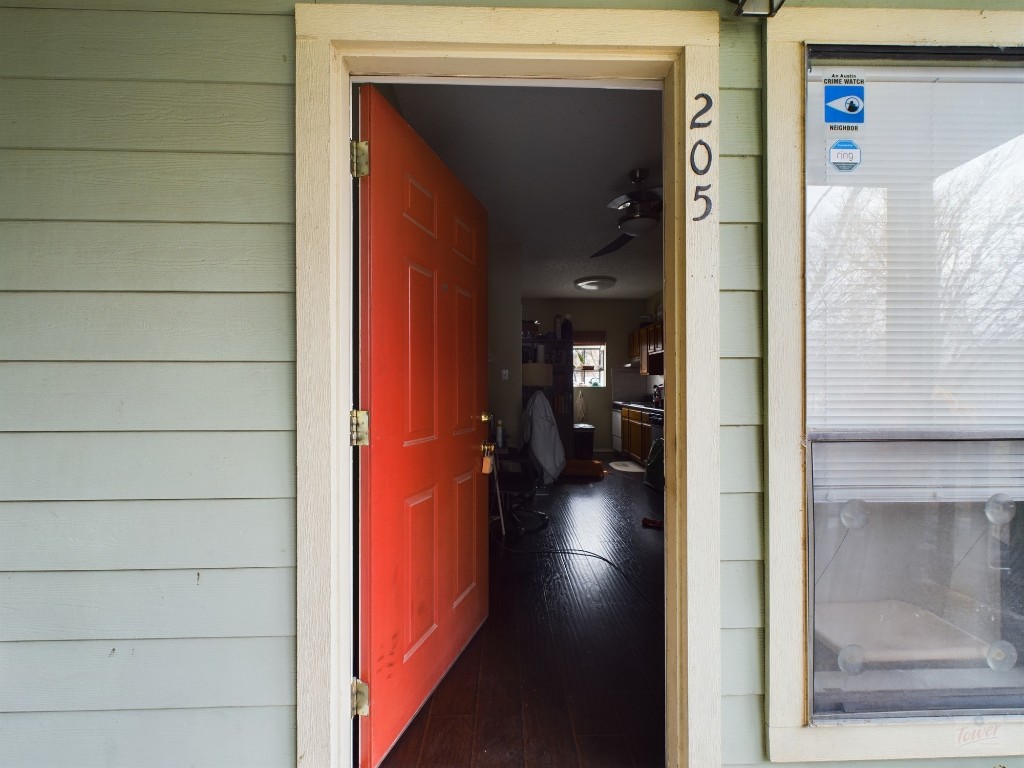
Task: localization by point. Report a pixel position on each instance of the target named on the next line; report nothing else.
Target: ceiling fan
(641, 211)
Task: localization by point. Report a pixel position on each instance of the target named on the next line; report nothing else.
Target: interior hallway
(569, 668)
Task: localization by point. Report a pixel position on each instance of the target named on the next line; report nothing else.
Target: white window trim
(790, 737)
(604, 369)
(335, 43)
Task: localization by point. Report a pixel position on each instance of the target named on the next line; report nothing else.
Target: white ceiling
(545, 162)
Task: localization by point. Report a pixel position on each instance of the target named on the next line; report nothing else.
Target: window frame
(590, 340)
(603, 352)
(790, 735)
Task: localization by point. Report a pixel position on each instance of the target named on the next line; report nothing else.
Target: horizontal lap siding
(154, 326)
(133, 535)
(147, 396)
(742, 334)
(147, 365)
(220, 602)
(146, 186)
(86, 466)
(180, 47)
(169, 738)
(151, 256)
(119, 116)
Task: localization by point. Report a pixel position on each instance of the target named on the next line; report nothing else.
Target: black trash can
(583, 441)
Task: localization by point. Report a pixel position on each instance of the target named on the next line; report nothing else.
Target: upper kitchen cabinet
(649, 343)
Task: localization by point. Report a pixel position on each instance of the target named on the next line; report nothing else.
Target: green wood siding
(147, 361)
(742, 343)
(181, 47)
(123, 256)
(212, 737)
(130, 535)
(185, 117)
(161, 396)
(147, 186)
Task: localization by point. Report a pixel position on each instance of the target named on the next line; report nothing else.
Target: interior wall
(504, 332)
(616, 317)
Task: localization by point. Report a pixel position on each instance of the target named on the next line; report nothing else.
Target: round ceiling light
(637, 223)
(595, 283)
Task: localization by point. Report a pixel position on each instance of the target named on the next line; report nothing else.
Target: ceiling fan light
(595, 283)
(638, 224)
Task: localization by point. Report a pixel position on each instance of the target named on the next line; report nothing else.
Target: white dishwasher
(617, 429)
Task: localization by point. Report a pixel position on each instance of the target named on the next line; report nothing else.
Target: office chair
(516, 480)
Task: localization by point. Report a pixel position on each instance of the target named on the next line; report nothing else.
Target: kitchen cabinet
(656, 364)
(650, 343)
(652, 362)
(625, 418)
(634, 442)
(636, 434)
(656, 338)
(645, 352)
(647, 344)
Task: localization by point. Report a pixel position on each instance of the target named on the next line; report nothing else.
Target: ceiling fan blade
(614, 245)
(621, 200)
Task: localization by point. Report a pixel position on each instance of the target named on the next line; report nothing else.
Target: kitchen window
(588, 359)
(895, 461)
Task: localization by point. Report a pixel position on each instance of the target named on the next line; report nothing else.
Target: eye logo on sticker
(844, 103)
(849, 105)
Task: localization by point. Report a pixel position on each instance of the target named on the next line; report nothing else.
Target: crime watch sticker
(844, 100)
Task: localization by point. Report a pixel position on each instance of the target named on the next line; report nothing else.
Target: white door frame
(335, 42)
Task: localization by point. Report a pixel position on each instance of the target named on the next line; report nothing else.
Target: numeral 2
(695, 122)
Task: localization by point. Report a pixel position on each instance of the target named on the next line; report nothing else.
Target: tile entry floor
(568, 670)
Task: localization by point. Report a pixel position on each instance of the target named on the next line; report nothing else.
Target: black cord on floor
(580, 553)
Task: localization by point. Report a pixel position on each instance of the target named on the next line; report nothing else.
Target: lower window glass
(917, 596)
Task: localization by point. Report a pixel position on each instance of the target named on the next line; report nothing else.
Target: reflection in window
(917, 576)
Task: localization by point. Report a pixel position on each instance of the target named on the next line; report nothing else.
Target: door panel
(466, 363)
(422, 347)
(421, 352)
(467, 522)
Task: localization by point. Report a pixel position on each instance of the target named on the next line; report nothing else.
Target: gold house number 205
(702, 157)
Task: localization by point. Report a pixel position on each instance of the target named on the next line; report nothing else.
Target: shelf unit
(557, 352)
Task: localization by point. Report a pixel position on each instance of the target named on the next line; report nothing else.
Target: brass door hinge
(360, 698)
(359, 428)
(359, 154)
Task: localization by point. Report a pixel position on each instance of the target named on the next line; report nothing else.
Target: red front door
(423, 499)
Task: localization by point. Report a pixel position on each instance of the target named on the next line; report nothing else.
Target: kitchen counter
(649, 407)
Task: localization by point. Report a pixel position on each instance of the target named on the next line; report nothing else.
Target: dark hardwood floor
(568, 670)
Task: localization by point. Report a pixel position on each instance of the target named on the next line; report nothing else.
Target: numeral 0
(708, 157)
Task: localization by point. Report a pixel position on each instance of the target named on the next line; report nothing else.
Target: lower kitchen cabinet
(636, 434)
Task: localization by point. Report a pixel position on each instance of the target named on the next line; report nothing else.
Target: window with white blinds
(914, 300)
(915, 256)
